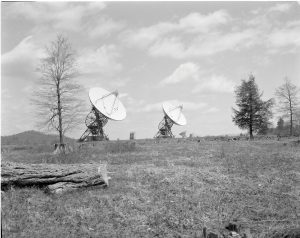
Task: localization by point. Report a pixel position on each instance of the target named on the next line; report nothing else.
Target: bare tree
(288, 101)
(56, 95)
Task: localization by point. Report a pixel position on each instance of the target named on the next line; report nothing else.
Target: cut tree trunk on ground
(55, 178)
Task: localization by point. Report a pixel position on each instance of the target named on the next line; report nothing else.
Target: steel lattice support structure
(95, 121)
(164, 128)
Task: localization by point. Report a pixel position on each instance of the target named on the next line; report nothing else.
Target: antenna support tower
(164, 128)
(94, 121)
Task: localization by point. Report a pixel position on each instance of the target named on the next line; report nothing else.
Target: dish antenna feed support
(164, 128)
(94, 121)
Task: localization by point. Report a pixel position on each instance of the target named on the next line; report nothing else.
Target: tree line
(254, 114)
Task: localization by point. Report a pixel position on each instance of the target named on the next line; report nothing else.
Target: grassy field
(168, 189)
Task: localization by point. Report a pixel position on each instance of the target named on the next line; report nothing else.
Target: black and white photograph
(150, 119)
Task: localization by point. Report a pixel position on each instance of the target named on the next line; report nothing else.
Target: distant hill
(32, 138)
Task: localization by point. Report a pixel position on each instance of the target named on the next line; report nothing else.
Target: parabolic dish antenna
(173, 115)
(105, 105)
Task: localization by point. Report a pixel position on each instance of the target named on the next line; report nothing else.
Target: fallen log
(55, 178)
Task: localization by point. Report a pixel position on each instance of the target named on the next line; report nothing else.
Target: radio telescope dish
(173, 115)
(105, 105)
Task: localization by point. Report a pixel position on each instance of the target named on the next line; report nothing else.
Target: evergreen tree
(280, 126)
(264, 129)
(253, 113)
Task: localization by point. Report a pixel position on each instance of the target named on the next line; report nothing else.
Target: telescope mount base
(164, 128)
(95, 121)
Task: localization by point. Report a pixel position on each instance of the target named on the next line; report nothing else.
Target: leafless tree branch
(56, 95)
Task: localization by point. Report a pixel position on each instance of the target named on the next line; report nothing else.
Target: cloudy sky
(193, 53)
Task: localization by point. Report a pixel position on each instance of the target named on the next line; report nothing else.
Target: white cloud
(23, 59)
(186, 71)
(24, 50)
(256, 11)
(61, 15)
(280, 7)
(191, 71)
(230, 41)
(143, 37)
(104, 27)
(275, 35)
(216, 83)
(285, 37)
(196, 22)
(196, 35)
(204, 45)
(192, 23)
(172, 47)
(268, 18)
(103, 61)
(217, 42)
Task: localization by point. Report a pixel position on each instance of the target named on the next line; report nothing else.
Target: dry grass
(168, 189)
